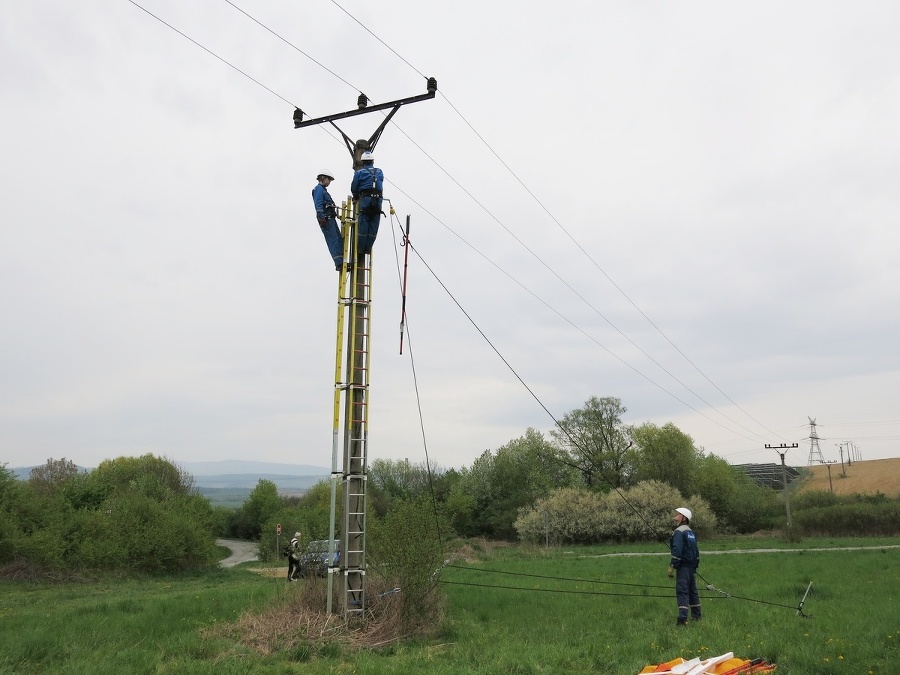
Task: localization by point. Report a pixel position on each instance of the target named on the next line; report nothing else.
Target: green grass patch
(567, 610)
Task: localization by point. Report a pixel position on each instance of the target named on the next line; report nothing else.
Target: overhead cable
(580, 247)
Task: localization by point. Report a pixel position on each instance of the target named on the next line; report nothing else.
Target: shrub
(642, 513)
(406, 550)
(566, 516)
(854, 519)
(135, 514)
(813, 499)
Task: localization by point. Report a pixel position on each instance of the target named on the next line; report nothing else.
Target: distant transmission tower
(815, 453)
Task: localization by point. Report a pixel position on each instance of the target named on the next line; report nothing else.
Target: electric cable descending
(563, 317)
(568, 591)
(415, 377)
(553, 578)
(575, 443)
(530, 391)
(722, 594)
(580, 296)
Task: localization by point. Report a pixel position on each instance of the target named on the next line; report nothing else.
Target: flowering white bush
(580, 516)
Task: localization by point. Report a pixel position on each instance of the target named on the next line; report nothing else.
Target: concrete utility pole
(352, 377)
(784, 484)
(852, 452)
(830, 484)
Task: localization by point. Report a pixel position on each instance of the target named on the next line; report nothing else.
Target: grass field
(573, 613)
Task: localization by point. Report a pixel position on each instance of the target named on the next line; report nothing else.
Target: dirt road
(241, 551)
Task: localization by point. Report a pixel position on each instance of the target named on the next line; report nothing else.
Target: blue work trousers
(335, 241)
(686, 592)
(368, 230)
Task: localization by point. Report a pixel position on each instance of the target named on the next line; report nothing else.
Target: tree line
(573, 485)
(592, 479)
(135, 514)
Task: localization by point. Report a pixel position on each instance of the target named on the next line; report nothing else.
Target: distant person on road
(366, 190)
(294, 551)
(683, 566)
(326, 214)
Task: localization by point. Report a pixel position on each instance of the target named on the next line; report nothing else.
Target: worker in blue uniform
(683, 566)
(366, 190)
(326, 214)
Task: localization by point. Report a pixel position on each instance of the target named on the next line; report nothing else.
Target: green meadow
(515, 610)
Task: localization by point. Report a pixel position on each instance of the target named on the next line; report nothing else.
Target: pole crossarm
(365, 108)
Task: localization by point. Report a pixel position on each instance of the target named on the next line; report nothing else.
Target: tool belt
(370, 202)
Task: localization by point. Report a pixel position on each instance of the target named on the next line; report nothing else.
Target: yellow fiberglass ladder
(351, 388)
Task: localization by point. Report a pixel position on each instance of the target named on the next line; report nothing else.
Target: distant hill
(249, 480)
(239, 466)
(24, 472)
(865, 477)
(239, 476)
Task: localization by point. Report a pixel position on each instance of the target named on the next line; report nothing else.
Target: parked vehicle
(314, 559)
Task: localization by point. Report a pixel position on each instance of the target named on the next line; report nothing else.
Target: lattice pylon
(815, 452)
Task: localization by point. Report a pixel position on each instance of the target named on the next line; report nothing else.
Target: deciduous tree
(666, 454)
(597, 441)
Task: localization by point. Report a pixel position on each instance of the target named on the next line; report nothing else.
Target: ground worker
(683, 566)
(294, 550)
(366, 190)
(326, 214)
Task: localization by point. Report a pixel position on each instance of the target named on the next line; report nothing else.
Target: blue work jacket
(684, 548)
(366, 179)
(324, 203)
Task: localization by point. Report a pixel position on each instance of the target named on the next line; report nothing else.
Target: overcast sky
(692, 206)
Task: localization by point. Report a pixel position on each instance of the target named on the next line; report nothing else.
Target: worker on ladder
(366, 190)
(326, 214)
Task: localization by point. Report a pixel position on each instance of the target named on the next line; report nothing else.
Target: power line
(563, 317)
(720, 594)
(553, 578)
(527, 248)
(412, 365)
(366, 28)
(579, 295)
(513, 235)
(580, 247)
(212, 53)
(292, 45)
(567, 591)
(559, 425)
(612, 485)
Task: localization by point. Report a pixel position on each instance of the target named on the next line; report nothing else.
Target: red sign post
(278, 529)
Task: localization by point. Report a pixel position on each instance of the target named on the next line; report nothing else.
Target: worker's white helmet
(367, 157)
(326, 174)
(297, 535)
(683, 511)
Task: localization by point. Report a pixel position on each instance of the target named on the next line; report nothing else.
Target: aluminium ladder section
(351, 385)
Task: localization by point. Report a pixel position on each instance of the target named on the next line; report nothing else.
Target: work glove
(671, 572)
(323, 222)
